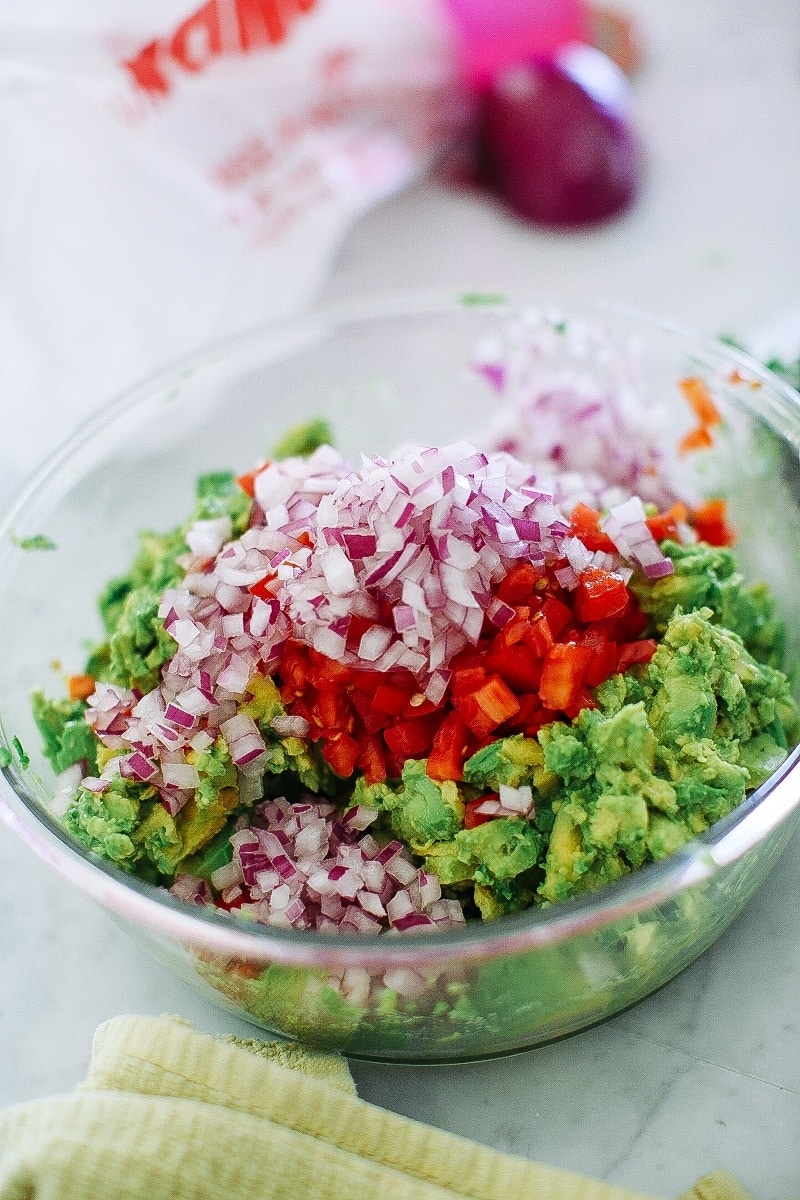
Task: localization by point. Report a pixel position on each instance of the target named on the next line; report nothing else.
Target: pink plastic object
(495, 34)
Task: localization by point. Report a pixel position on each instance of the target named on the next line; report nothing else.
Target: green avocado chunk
(302, 440)
(706, 577)
(669, 749)
(66, 737)
(515, 761)
(137, 644)
(497, 857)
(421, 810)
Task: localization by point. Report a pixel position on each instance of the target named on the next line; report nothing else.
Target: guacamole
(416, 693)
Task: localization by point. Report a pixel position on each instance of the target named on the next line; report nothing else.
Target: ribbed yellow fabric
(167, 1113)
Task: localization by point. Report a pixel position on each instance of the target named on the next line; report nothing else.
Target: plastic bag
(174, 173)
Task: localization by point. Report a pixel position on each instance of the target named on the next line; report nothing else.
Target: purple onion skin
(556, 153)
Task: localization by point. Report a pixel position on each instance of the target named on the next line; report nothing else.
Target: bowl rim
(142, 903)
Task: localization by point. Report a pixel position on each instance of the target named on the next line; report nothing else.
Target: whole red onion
(556, 139)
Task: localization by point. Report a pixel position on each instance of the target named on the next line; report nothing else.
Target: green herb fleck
(481, 299)
(37, 541)
(24, 761)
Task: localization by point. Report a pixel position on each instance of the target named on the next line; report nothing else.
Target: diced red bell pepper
(599, 595)
(665, 524)
(372, 761)
(389, 699)
(635, 652)
(342, 754)
(538, 636)
(604, 655)
(412, 738)
(247, 483)
(583, 699)
(449, 750)
(80, 687)
(472, 817)
(700, 401)
(696, 439)
(517, 585)
(264, 588)
(466, 680)
(558, 615)
(326, 672)
(516, 665)
(710, 523)
(356, 629)
(562, 674)
(332, 710)
(585, 525)
(488, 707)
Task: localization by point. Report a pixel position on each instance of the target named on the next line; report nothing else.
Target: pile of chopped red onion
(413, 546)
(307, 866)
(590, 443)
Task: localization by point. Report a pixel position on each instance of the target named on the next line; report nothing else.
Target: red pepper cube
(449, 750)
(496, 700)
(538, 636)
(390, 700)
(466, 679)
(518, 584)
(372, 761)
(635, 652)
(264, 588)
(558, 615)
(585, 525)
(599, 595)
(472, 817)
(342, 753)
(604, 655)
(327, 672)
(665, 524)
(562, 675)
(516, 665)
(710, 524)
(413, 738)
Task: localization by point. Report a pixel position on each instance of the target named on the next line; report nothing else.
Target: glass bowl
(384, 372)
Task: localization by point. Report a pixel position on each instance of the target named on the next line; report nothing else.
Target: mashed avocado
(668, 750)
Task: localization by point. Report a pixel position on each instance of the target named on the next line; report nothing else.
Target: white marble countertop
(706, 1073)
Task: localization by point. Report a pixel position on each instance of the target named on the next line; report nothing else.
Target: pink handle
(495, 34)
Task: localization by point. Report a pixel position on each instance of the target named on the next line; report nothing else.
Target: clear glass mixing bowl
(385, 372)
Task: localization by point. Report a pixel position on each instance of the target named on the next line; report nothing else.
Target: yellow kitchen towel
(167, 1113)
